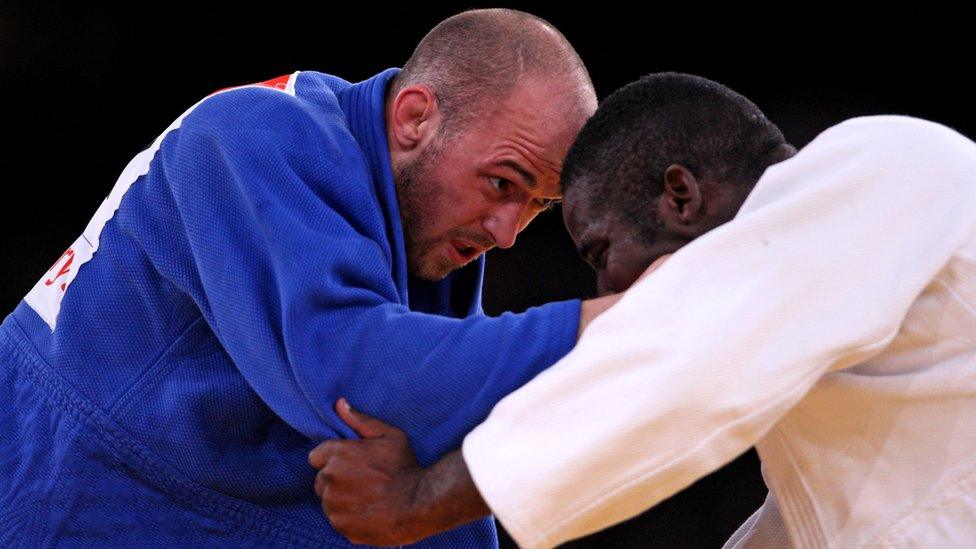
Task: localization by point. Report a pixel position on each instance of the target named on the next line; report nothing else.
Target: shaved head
(478, 123)
(475, 59)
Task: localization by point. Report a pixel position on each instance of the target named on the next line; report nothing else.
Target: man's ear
(682, 195)
(414, 117)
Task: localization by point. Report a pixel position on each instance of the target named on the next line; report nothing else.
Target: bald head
(478, 123)
(475, 59)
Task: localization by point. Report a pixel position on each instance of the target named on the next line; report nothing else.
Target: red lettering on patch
(70, 255)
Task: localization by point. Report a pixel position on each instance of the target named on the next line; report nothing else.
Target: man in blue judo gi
(280, 245)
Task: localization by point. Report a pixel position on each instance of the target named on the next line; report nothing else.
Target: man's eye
(500, 184)
(596, 258)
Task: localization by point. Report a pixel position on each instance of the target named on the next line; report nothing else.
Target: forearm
(447, 497)
(592, 308)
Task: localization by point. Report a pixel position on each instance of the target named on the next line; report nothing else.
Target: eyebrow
(528, 177)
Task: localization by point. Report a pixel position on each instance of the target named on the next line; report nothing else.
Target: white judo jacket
(832, 324)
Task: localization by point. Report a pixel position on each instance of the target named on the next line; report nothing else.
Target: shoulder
(266, 126)
(902, 137)
(268, 141)
(896, 157)
(895, 146)
(259, 110)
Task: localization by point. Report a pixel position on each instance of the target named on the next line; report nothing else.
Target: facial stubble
(419, 202)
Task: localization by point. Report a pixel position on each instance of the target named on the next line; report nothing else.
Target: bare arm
(374, 492)
(592, 308)
(447, 496)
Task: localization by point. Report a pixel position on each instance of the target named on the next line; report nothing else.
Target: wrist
(444, 497)
(419, 515)
(592, 308)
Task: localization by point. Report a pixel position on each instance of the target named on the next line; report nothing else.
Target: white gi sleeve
(698, 361)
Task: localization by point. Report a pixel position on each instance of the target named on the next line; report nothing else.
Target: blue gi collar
(364, 104)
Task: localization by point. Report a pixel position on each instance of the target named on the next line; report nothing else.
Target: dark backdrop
(84, 87)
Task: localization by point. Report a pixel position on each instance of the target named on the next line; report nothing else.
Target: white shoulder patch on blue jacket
(46, 296)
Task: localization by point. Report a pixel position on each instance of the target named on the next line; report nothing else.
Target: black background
(85, 87)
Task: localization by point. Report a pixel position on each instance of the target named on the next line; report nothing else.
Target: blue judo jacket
(164, 381)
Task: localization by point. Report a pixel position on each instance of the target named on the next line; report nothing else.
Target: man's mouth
(464, 252)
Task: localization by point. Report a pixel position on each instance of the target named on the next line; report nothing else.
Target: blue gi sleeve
(291, 267)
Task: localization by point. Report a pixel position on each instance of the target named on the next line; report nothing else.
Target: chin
(432, 277)
(432, 271)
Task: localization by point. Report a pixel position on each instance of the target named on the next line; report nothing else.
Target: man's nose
(503, 223)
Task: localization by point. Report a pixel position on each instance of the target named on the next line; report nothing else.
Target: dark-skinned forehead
(583, 226)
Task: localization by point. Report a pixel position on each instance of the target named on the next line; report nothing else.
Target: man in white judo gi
(830, 321)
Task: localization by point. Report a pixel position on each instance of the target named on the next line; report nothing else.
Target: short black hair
(662, 119)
